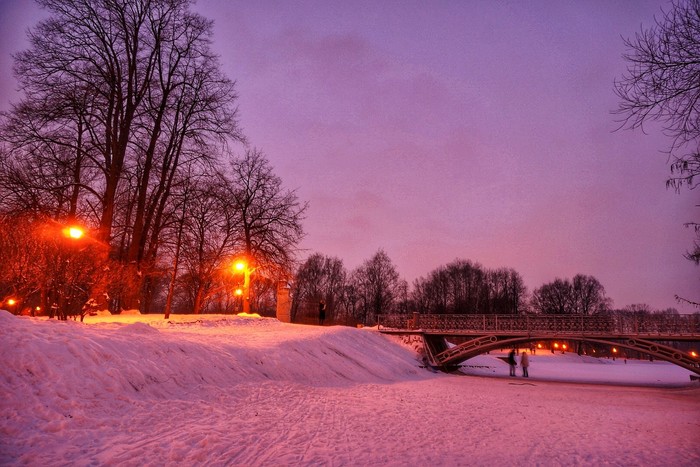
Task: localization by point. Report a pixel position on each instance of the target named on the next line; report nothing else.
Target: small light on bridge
(614, 349)
(693, 354)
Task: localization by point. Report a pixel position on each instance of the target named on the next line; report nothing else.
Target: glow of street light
(73, 232)
(11, 301)
(239, 291)
(693, 353)
(614, 349)
(240, 265)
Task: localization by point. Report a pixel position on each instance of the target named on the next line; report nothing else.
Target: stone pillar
(284, 304)
(416, 320)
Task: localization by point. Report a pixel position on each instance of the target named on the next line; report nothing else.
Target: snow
(224, 390)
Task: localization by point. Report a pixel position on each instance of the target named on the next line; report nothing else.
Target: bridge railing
(653, 325)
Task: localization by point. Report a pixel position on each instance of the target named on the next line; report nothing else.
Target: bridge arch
(445, 357)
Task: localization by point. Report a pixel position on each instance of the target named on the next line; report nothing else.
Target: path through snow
(233, 391)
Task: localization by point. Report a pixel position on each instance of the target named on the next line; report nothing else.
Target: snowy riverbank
(214, 390)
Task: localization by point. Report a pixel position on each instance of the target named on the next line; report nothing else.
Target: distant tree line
(460, 287)
(463, 287)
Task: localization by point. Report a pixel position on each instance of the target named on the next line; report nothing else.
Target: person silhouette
(512, 362)
(321, 312)
(524, 363)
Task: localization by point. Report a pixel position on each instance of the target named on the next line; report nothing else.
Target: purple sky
(443, 130)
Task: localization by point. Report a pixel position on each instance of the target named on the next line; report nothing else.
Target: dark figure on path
(524, 362)
(321, 312)
(511, 362)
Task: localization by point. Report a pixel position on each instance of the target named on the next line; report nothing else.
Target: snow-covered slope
(213, 390)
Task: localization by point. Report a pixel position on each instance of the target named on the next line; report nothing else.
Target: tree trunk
(198, 300)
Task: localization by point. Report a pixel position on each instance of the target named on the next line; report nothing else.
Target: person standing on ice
(524, 362)
(511, 362)
(321, 312)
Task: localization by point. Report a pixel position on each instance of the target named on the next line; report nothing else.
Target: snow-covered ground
(214, 390)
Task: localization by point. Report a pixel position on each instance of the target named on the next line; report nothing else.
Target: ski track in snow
(230, 391)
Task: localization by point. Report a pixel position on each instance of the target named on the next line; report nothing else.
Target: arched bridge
(482, 333)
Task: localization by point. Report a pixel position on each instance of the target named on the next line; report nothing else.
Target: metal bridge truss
(442, 356)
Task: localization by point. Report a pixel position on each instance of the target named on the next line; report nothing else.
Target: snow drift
(215, 390)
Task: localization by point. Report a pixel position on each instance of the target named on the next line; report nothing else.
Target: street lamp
(75, 241)
(242, 266)
(11, 302)
(73, 232)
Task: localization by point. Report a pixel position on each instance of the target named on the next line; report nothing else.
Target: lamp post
(242, 266)
(73, 243)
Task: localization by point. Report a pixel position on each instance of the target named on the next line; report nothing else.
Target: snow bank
(214, 390)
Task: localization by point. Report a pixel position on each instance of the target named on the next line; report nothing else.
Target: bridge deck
(654, 327)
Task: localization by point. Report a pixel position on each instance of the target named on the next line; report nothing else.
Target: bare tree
(464, 287)
(319, 278)
(505, 292)
(188, 110)
(554, 298)
(270, 217)
(589, 295)
(662, 83)
(119, 97)
(210, 239)
(584, 295)
(379, 287)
